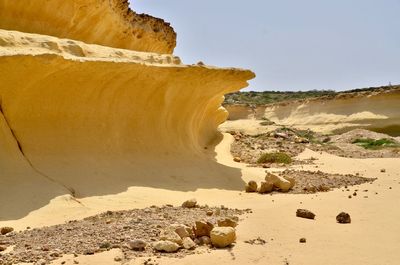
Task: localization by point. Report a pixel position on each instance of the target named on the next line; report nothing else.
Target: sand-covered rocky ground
(249, 147)
(271, 232)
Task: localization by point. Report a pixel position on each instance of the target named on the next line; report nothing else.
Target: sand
(373, 237)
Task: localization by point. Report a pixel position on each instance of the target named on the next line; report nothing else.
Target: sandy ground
(373, 237)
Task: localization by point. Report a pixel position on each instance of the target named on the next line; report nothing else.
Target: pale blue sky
(290, 44)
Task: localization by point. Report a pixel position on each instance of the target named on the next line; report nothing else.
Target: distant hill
(268, 97)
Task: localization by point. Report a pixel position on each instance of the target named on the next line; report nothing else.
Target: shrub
(368, 143)
(278, 157)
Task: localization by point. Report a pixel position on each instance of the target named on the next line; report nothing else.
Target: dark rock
(6, 230)
(343, 218)
(303, 213)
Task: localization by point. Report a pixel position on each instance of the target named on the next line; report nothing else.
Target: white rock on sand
(223, 236)
(166, 246)
(281, 183)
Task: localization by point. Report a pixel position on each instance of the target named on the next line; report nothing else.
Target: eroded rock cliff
(106, 22)
(83, 119)
(378, 111)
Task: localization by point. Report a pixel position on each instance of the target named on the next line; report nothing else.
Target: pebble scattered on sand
(137, 232)
(303, 213)
(343, 218)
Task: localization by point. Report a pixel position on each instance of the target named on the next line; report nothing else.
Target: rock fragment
(170, 235)
(205, 240)
(266, 187)
(166, 246)
(137, 244)
(189, 203)
(222, 237)
(227, 222)
(303, 213)
(203, 228)
(6, 230)
(279, 182)
(302, 240)
(188, 243)
(343, 218)
(251, 186)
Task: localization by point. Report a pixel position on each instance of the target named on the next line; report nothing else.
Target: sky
(289, 44)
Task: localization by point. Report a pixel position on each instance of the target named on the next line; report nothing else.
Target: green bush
(278, 157)
(368, 143)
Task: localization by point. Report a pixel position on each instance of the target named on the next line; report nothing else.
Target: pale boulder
(266, 187)
(170, 235)
(223, 236)
(279, 182)
(188, 243)
(166, 246)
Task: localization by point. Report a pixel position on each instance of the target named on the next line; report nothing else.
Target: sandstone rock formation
(374, 110)
(377, 111)
(106, 22)
(82, 119)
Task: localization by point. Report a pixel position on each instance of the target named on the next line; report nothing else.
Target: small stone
(303, 213)
(137, 244)
(303, 240)
(251, 186)
(343, 218)
(166, 246)
(76, 262)
(237, 159)
(227, 222)
(63, 262)
(355, 194)
(350, 197)
(383, 170)
(266, 187)
(203, 228)
(209, 213)
(2, 248)
(222, 237)
(182, 230)
(189, 203)
(6, 230)
(188, 243)
(86, 252)
(117, 258)
(205, 240)
(170, 235)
